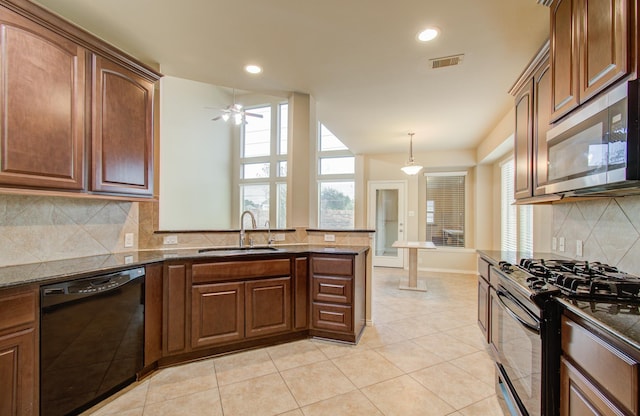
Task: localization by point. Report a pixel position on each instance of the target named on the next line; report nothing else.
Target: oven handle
(532, 328)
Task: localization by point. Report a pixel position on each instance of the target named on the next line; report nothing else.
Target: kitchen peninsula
(200, 303)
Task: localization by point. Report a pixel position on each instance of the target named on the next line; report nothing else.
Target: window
(263, 165)
(516, 221)
(336, 184)
(445, 208)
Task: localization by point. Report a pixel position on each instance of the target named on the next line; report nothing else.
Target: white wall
(195, 156)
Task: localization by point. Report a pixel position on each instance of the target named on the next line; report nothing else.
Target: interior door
(386, 216)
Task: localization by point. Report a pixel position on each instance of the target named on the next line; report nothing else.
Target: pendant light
(411, 168)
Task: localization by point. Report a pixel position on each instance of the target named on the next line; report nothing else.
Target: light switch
(579, 248)
(561, 244)
(128, 239)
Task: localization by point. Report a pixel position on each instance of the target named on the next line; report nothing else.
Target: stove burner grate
(585, 280)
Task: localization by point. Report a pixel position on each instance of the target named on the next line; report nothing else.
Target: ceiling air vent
(446, 61)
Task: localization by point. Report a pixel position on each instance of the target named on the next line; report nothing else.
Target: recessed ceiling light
(253, 69)
(428, 34)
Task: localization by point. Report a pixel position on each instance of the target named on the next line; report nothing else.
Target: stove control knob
(538, 284)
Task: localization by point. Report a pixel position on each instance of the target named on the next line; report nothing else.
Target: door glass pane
(386, 222)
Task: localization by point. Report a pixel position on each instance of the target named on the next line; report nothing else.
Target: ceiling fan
(235, 112)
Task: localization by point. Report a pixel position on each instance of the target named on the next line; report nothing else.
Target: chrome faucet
(268, 225)
(253, 224)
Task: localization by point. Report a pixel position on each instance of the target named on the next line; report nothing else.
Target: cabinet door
(217, 313)
(18, 373)
(42, 106)
(579, 397)
(523, 142)
(122, 130)
(603, 44)
(175, 298)
(542, 117)
(268, 306)
(483, 307)
(564, 57)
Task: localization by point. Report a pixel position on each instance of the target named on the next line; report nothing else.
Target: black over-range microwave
(597, 149)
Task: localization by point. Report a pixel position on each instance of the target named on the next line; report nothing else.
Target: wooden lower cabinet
(18, 352)
(337, 296)
(240, 300)
(579, 396)
(217, 313)
(216, 305)
(484, 302)
(597, 376)
(267, 306)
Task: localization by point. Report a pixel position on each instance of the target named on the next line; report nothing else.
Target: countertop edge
(74, 268)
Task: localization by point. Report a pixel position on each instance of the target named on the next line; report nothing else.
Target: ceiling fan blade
(253, 114)
(216, 118)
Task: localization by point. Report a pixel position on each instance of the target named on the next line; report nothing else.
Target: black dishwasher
(91, 339)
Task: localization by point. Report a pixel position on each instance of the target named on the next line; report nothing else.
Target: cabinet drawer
(483, 268)
(332, 289)
(332, 317)
(232, 270)
(334, 266)
(17, 309)
(611, 369)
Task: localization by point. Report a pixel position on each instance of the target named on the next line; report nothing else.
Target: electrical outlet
(128, 239)
(561, 244)
(579, 248)
(170, 239)
(329, 237)
(554, 244)
(128, 259)
(279, 237)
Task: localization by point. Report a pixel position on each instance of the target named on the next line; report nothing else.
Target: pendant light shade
(411, 168)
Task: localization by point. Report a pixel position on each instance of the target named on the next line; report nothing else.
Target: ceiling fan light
(237, 118)
(411, 169)
(225, 116)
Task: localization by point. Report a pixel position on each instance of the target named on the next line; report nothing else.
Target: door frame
(401, 187)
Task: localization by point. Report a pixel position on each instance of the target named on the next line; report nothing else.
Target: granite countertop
(51, 271)
(621, 320)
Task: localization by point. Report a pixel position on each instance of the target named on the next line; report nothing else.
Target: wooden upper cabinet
(42, 92)
(122, 130)
(541, 125)
(523, 141)
(589, 49)
(564, 57)
(603, 48)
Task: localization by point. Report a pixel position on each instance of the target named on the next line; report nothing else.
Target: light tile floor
(424, 356)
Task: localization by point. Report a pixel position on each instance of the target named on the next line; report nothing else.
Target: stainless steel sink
(225, 251)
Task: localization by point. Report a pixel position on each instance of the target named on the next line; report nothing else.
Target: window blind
(516, 225)
(508, 226)
(445, 209)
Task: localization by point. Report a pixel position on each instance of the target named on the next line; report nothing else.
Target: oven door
(516, 339)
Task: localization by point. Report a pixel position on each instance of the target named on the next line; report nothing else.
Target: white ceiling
(359, 59)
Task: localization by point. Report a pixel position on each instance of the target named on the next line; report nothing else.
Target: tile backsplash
(609, 229)
(39, 228)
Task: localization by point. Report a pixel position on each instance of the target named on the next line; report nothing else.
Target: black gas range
(576, 279)
(525, 323)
